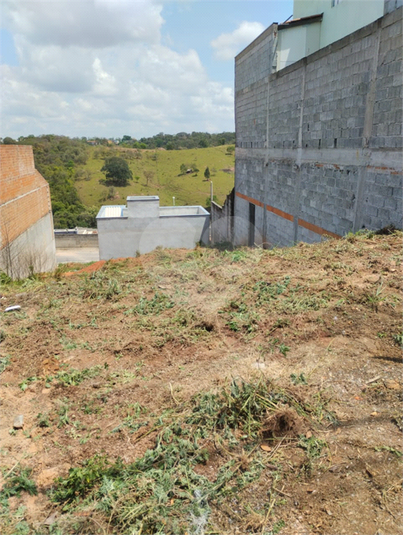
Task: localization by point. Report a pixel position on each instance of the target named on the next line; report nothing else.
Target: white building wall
(297, 42)
(144, 229)
(340, 17)
(34, 251)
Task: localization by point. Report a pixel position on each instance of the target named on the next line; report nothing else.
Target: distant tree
(148, 175)
(126, 138)
(9, 141)
(207, 173)
(183, 168)
(170, 146)
(203, 143)
(117, 172)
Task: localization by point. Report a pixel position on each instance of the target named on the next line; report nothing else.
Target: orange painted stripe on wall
(316, 229)
(280, 213)
(301, 222)
(249, 199)
(269, 208)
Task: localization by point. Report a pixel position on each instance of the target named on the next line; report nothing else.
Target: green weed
(4, 362)
(99, 286)
(74, 377)
(25, 383)
(313, 449)
(283, 349)
(298, 379)
(18, 481)
(398, 338)
(240, 406)
(396, 452)
(158, 303)
(63, 413)
(267, 291)
(43, 420)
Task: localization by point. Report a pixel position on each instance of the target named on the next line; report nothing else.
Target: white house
(142, 225)
(318, 23)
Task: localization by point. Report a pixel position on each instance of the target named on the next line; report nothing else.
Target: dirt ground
(322, 322)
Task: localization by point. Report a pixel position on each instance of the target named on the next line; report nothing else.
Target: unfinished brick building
(27, 243)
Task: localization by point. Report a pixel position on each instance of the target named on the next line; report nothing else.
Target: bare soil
(323, 321)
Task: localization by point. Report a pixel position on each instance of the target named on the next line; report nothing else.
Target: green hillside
(165, 178)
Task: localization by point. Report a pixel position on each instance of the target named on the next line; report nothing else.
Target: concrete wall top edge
(142, 198)
(163, 216)
(271, 29)
(104, 218)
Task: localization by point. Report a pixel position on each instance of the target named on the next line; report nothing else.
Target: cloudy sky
(115, 67)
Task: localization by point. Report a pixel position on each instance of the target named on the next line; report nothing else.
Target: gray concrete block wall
(281, 231)
(309, 236)
(321, 139)
(66, 241)
(241, 221)
(387, 119)
(222, 220)
(328, 196)
(252, 70)
(382, 199)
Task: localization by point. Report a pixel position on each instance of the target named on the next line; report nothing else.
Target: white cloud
(78, 77)
(227, 45)
(86, 23)
(105, 84)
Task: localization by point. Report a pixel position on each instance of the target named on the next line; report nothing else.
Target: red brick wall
(24, 193)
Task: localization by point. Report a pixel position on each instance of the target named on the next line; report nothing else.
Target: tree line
(182, 140)
(61, 161)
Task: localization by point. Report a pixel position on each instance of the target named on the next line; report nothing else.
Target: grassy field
(188, 189)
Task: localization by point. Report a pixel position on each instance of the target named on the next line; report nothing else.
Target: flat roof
(143, 198)
(111, 211)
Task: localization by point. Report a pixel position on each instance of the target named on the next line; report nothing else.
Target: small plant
(74, 377)
(18, 481)
(313, 448)
(99, 286)
(43, 420)
(63, 413)
(375, 299)
(398, 338)
(4, 362)
(298, 379)
(267, 291)
(25, 383)
(283, 349)
(81, 480)
(155, 305)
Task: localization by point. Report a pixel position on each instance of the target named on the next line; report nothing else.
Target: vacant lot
(207, 391)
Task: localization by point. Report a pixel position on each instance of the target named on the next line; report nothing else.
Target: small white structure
(143, 225)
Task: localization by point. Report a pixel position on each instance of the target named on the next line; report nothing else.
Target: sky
(110, 68)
